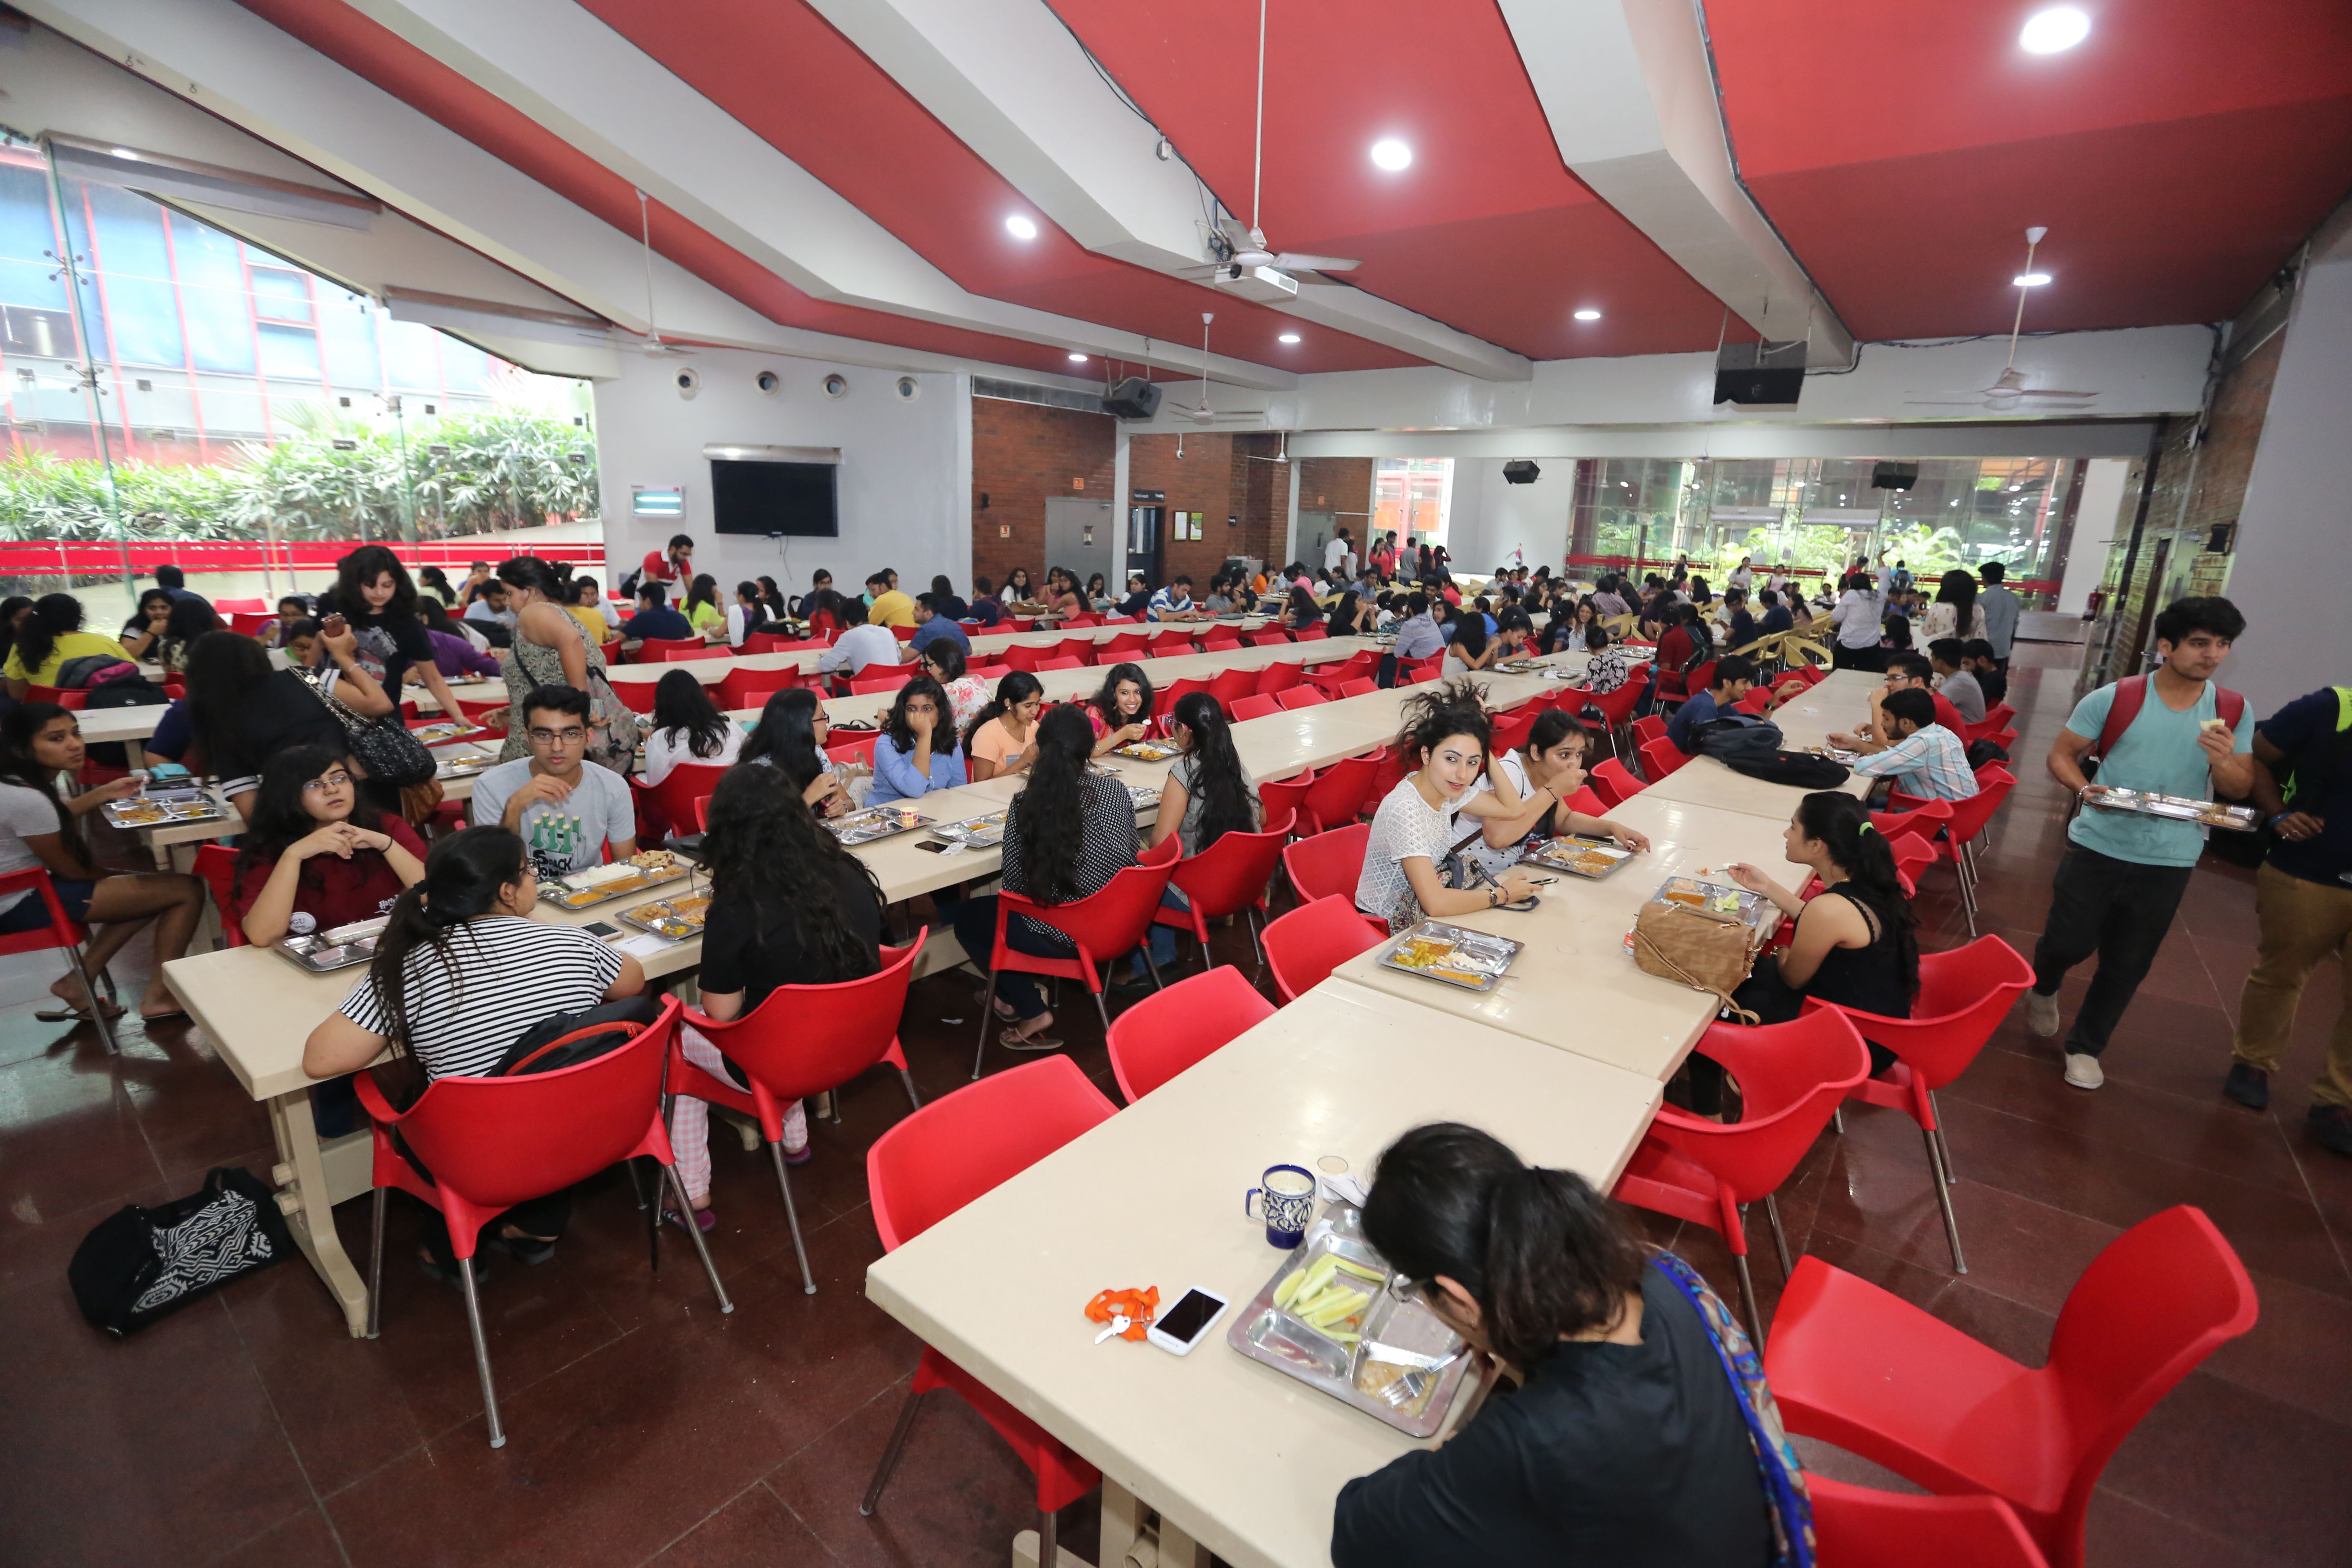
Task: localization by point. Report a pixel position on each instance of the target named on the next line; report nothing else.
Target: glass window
(289, 353)
(412, 355)
(129, 252)
(211, 295)
(27, 234)
(347, 332)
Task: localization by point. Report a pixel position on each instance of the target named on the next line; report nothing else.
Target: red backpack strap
(2131, 694)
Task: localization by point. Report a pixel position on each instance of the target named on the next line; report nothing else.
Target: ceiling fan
(2008, 389)
(1233, 253)
(654, 346)
(1202, 413)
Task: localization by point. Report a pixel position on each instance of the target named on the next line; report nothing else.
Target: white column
(2097, 517)
(2291, 540)
(1290, 523)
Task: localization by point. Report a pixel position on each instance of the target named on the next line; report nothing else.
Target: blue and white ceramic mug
(1286, 1203)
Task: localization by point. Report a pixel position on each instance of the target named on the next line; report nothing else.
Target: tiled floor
(646, 1428)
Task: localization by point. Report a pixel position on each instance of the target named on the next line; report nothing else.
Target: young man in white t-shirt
(567, 809)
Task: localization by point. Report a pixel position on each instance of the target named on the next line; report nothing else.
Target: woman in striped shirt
(460, 972)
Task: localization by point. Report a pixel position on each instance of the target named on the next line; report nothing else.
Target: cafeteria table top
(1245, 1460)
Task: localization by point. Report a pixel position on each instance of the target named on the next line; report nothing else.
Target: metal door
(1077, 536)
(1143, 543)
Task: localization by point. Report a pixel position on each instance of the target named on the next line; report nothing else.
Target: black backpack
(77, 673)
(1735, 738)
(570, 1038)
(1802, 769)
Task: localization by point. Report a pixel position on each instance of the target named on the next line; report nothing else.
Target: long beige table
(1238, 1458)
(1576, 988)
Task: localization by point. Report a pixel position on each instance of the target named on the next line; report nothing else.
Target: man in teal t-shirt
(2124, 872)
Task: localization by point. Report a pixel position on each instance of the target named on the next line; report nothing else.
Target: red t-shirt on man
(334, 891)
(659, 566)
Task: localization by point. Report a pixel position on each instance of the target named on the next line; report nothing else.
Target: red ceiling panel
(368, 50)
(2177, 155)
(852, 126)
(1443, 77)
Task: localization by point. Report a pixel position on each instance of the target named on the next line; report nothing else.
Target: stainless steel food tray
(1483, 951)
(2178, 808)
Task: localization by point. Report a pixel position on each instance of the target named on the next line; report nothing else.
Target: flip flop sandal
(1039, 1041)
(59, 1015)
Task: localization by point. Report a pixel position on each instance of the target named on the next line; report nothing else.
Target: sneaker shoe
(2249, 1086)
(2082, 1070)
(2042, 1013)
(2334, 1125)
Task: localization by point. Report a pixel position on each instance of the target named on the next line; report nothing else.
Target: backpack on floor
(142, 1264)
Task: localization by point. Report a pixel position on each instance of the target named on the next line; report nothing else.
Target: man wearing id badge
(2171, 732)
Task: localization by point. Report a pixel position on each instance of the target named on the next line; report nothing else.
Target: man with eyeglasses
(566, 808)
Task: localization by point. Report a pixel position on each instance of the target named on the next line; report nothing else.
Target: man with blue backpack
(2170, 731)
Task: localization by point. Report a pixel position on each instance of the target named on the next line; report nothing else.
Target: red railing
(50, 558)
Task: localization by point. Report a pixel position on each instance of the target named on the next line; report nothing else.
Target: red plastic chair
(1362, 686)
(1071, 662)
(1923, 822)
(1337, 794)
(1856, 1366)
(1124, 647)
(673, 799)
(1286, 796)
(1857, 1527)
(1278, 678)
(1267, 636)
(1254, 708)
(1332, 678)
(853, 746)
(742, 688)
(1172, 1030)
(1164, 700)
(1026, 656)
(1315, 633)
(1305, 945)
(1700, 679)
(1072, 623)
(1171, 642)
(1229, 878)
(658, 650)
(217, 868)
(1428, 669)
(1301, 696)
(1588, 801)
(1964, 994)
(884, 680)
(1230, 686)
(1615, 782)
(1512, 729)
(1614, 709)
(1105, 925)
(1329, 865)
(1969, 819)
(802, 1040)
(61, 932)
(1792, 1078)
(776, 642)
(934, 1162)
(1661, 758)
(494, 1143)
(1756, 701)
(1647, 729)
(904, 633)
(1219, 640)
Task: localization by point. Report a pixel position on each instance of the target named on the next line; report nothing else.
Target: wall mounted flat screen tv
(792, 499)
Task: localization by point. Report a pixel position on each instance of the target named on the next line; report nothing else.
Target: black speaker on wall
(1134, 398)
(1893, 476)
(1521, 472)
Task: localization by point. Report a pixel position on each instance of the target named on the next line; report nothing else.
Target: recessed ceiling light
(1077, 359)
(1020, 228)
(1391, 154)
(1588, 314)
(124, 152)
(2054, 31)
(1288, 337)
(2028, 280)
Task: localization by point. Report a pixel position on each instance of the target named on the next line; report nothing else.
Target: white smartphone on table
(1187, 1323)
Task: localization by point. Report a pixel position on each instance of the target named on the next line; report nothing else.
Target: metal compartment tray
(1570, 852)
(669, 924)
(589, 897)
(973, 832)
(2180, 808)
(875, 822)
(1350, 1374)
(1479, 954)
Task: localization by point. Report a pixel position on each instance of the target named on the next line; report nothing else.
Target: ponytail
(1842, 825)
(1228, 805)
(1542, 1253)
(53, 616)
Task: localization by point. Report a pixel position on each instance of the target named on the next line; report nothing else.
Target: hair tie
(1867, 828)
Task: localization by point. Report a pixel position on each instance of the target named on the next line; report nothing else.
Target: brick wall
(2197, 489)
(1021, 453)
(1220, 476)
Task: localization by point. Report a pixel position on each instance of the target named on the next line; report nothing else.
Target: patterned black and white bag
(140, 1264)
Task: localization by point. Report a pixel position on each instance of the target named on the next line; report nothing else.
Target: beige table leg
(1133, 1536)
(308, 1200)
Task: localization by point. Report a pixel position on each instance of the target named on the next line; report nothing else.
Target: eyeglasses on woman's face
(326, 783)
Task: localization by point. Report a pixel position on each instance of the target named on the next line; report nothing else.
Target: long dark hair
(1842, 825)
(137, 621)
(771, 597)
(529, 572)
(764, 846)
(1959, 589)
(10, 609)
(223, 669)
(190, 619)
(946, 656)
(54, 615)
(1451, 707)
(786, 736)
(1226, 799)
(433, 577)
(1017, 687)
(1542, 1253)
(463, 876)
(364, 565)
(1048, 815)
(680, 703)
(755, 612)
(1105, 700)
(276, 816)
(703, 590)
(901, 734)
(1470, 635)
(19, 766)
(1303, 610)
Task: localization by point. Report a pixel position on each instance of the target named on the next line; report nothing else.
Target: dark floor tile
(2244, 1468)
(305, 1541)
(2123, 1532)
(754, 1531)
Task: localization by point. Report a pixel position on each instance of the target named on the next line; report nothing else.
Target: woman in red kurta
(317, 857)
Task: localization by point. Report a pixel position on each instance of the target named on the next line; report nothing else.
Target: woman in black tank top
(1854, 942)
